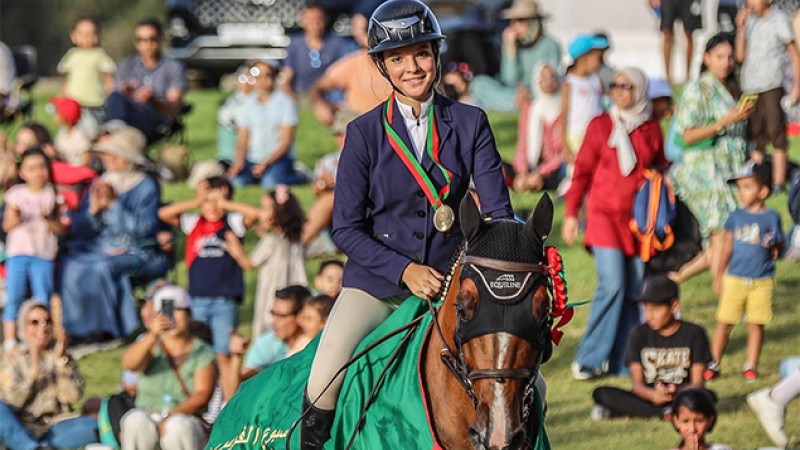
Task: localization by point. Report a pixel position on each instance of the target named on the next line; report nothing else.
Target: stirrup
(315, 428)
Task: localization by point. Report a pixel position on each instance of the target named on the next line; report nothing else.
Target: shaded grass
(569, 401)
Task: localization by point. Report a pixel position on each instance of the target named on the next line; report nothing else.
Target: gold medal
(444, 218)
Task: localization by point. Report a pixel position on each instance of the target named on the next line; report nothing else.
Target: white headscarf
(546, 109)
(627, 120)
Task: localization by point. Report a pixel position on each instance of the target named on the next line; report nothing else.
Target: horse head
(503, 322)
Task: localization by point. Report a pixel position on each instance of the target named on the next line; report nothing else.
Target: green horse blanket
(264, 408)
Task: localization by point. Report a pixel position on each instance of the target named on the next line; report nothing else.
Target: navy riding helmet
(398, 23)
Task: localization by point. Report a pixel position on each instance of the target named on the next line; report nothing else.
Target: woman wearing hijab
(112, 238)
(539, 163)
(619, 145)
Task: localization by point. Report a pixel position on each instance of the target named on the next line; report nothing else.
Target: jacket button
(420, 194)
(419, 235)
(420, 213)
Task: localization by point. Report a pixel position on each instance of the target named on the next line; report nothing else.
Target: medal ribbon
(410, 160)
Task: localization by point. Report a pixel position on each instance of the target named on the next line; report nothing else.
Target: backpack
(654, 212)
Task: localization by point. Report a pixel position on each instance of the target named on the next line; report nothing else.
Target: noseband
(502, 313)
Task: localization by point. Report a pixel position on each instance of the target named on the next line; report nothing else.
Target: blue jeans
(142, 117)
(613, 311)
(70, 433)
(21, 269)
(221, 314)
(281, 172)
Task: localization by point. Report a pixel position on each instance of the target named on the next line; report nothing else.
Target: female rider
(404, 168)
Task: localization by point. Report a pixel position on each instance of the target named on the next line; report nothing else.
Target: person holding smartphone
(177, 379)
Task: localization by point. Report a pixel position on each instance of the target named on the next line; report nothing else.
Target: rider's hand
(423, 281)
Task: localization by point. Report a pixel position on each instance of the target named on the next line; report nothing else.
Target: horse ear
(470, 217)
(541, 221)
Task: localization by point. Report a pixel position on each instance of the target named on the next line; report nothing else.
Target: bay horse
(481, 357)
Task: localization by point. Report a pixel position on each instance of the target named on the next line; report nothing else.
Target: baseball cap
(584, 43)
(172, 292)
(67, 108)
(760, 172)
(658, 289)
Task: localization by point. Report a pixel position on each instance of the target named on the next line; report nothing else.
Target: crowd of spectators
(85, 225)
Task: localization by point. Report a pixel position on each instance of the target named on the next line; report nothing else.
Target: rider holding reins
(404, 169)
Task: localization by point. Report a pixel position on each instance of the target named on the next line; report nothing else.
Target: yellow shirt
(84, 69)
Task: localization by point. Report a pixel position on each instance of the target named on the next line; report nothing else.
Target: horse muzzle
(496, 439)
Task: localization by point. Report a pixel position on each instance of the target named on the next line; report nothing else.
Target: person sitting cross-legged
(664, 355)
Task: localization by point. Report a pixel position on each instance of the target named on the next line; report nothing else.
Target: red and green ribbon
(410, 160)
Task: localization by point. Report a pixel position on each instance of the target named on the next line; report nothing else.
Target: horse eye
(465, 307)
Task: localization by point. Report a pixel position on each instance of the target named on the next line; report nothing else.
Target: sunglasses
(38, 322)
(625, 86)
(139, 40)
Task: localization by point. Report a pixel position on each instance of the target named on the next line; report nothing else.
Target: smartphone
(168, 308)
(747, 100)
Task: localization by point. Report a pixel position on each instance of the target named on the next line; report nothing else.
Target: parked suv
(215, 36)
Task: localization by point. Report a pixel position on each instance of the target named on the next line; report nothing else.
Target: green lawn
(569, 401)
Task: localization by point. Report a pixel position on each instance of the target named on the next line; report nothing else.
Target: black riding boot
(315, 428)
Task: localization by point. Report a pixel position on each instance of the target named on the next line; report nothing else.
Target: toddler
(71, 142)
(278, 254)
(32, 222)
(753, 239)
(89, 71)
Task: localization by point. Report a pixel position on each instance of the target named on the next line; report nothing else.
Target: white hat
(127, 143)
(178, 294)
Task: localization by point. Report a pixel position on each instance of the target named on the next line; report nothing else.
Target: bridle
(455, 361)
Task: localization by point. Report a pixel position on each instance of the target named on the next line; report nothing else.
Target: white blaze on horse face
(497, 430)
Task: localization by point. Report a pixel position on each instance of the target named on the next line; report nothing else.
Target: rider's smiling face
(412, 69)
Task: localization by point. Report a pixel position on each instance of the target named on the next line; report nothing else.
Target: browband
(504, 266)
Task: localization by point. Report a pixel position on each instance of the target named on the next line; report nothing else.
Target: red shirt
(610, 195)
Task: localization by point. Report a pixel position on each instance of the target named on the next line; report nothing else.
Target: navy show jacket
(383, 221)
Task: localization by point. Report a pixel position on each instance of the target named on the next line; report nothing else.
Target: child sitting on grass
(753, 239)
(665, 355)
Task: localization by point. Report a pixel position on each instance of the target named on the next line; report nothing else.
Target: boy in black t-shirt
(664, 356)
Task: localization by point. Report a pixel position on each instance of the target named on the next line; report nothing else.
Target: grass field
(569, 401)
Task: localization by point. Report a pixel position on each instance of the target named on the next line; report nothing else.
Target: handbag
(206, 426)
(675, 146)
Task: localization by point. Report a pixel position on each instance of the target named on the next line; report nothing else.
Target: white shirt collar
(408, 113)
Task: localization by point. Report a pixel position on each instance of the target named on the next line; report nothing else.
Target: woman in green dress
(713, 129)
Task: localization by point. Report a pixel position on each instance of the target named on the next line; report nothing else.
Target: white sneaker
(770, 414)
(582, 373)
(600, 413)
